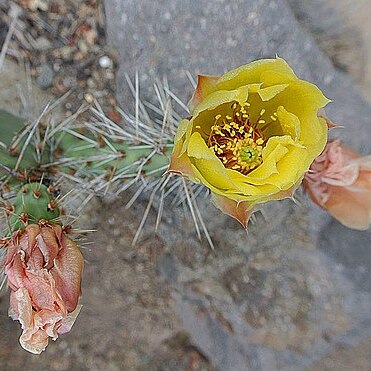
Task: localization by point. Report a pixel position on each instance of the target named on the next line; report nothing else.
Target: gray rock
(46, 75)
(273, 300)
(351, 250)
(341, 41)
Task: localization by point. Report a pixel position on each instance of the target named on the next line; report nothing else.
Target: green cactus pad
(33, 202)
(71, 147)
(10, 125)
(66, 152)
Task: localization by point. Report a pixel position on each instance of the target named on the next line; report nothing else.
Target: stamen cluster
(236, 141)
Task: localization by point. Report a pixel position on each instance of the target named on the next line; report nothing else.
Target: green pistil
(248, 154)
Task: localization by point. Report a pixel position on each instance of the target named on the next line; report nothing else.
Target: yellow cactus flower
(253, 134)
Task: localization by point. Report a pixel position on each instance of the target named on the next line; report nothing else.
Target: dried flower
(44, 268)
(252, 135)
(339, 181)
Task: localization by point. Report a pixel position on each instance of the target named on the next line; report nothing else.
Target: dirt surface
(128, 320)
(63, 47)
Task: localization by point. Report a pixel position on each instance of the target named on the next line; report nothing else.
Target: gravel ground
(63, 45)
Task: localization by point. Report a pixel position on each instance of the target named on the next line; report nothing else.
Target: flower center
(236, 141)
(249, 153)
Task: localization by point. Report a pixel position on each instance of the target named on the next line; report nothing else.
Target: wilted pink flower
(44, 268)
(339, 180)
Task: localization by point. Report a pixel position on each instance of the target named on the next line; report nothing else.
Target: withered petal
(67, 273)
(48, 243)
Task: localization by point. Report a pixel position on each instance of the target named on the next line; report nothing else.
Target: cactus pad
(34, 201)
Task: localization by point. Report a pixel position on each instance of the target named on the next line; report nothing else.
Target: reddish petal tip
(241, 211)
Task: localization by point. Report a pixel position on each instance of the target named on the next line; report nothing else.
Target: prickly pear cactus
(51, 162)
(87, 157)
(33, 203)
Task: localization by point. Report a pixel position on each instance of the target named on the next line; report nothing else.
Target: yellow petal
(179, 161)
(251, 73)
(289, 123)
(207, 167)
(197, 148)
(275, 149)
(313, 134)
(182, 130)
(271, 91)
(290, 168)
(254, 88)
(271, 78)
(246, 190)
(284, 162)
(221, 97)
(304, 100)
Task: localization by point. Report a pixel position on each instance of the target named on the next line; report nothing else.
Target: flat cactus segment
(97, 158)
(10, 126)
(34, 201)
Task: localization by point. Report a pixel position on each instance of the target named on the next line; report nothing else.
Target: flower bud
(339, 181)
(43, 268)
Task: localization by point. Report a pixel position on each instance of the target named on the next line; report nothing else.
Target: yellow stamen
(236, 141)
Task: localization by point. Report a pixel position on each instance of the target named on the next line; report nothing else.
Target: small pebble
(105, 62)
(89, 98)
(46, 75)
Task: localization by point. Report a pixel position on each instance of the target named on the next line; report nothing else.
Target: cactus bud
(43, 268)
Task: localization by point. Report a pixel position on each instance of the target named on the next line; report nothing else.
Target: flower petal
(182, 131)
(179, 161)
(67, 273)
(205, 86)
(69, 321)
(247, 191)
(208, 167)
(181, 165)
(241, 211)
(28, 340)
(271, 91)
(221, 97)
(275, 149)
(41, 287)
(289, 123)
(353, 209)
(252, 73)
(15, 271)
(48, 242)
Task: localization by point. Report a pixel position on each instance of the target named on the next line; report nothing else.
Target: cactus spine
(33, 202)
(28, 155)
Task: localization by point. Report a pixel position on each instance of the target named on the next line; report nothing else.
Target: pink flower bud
(44, 268)
(339, 181)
